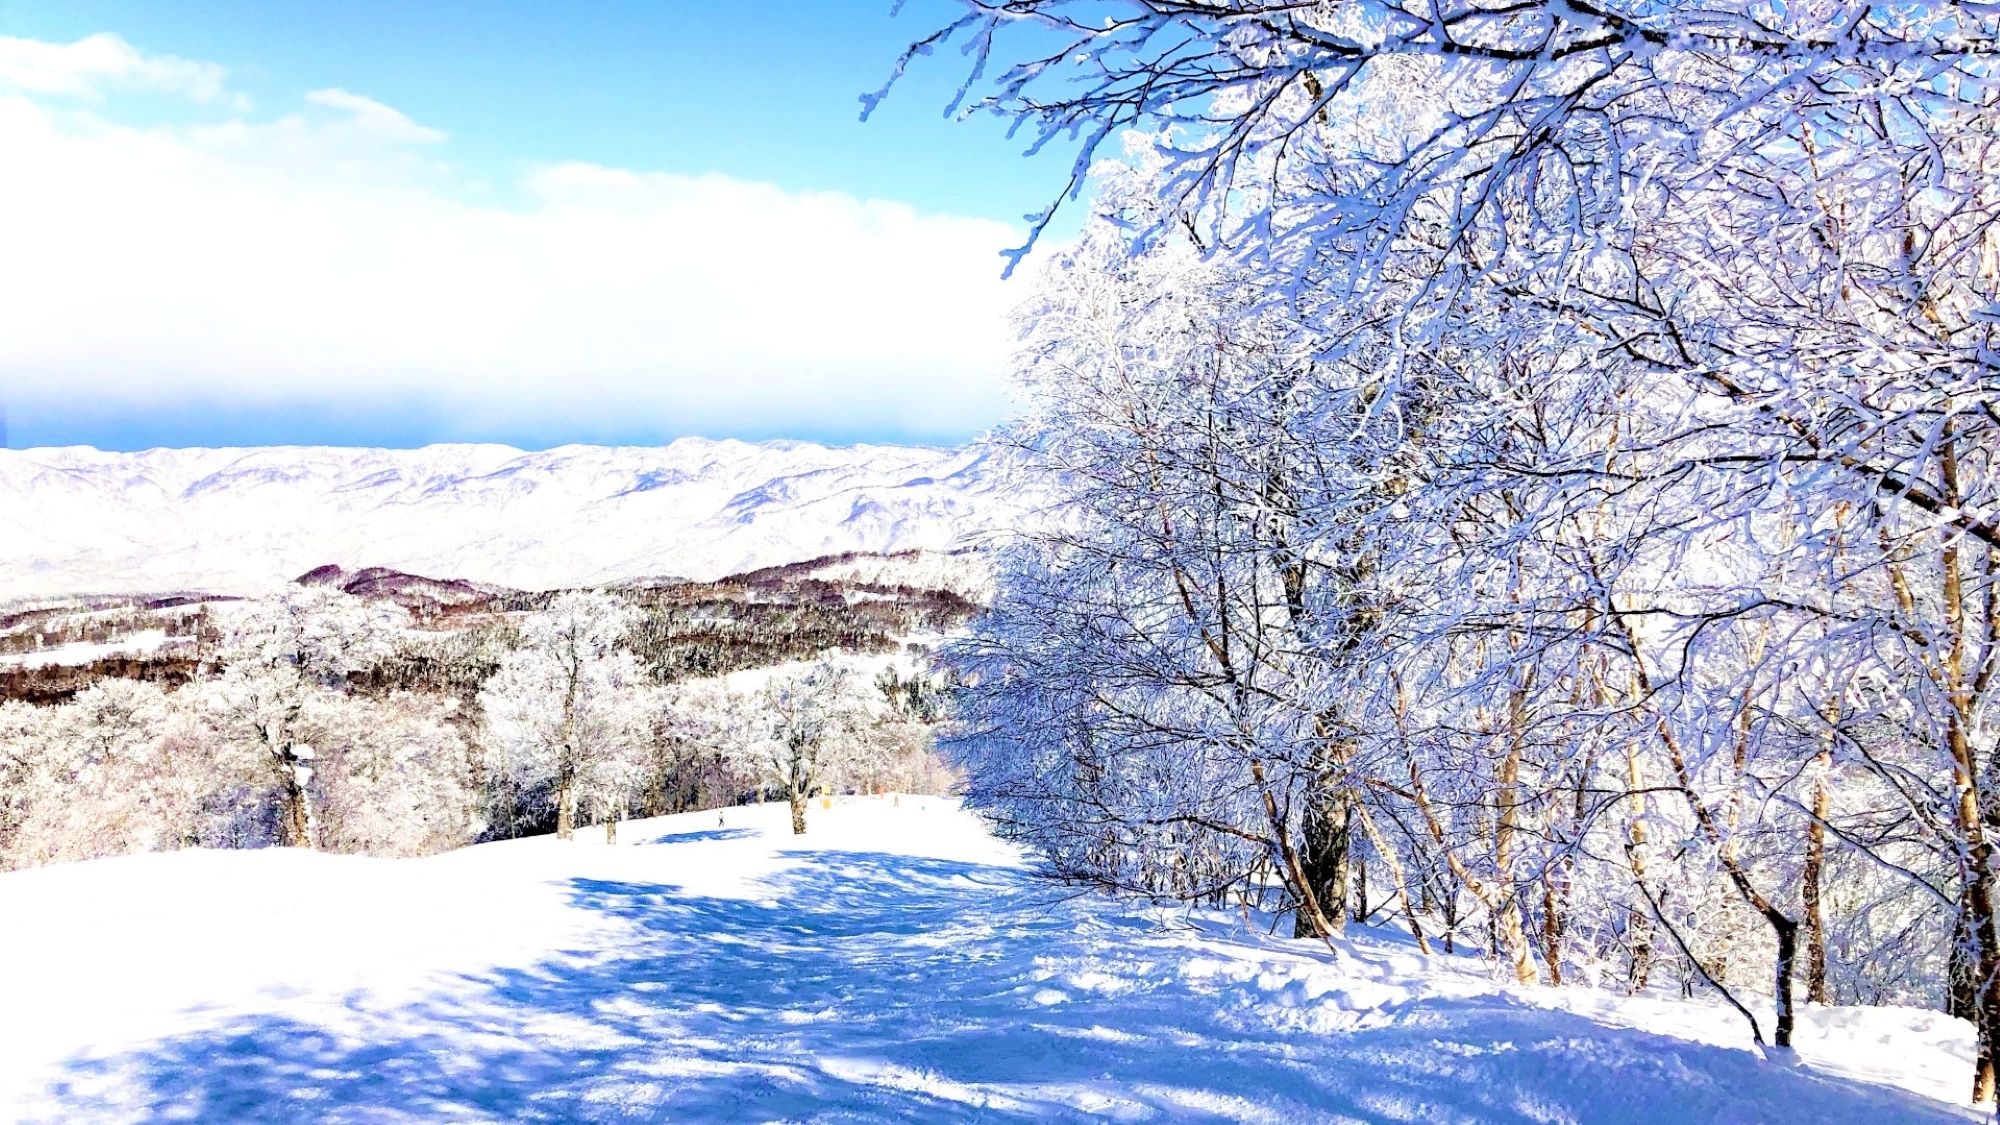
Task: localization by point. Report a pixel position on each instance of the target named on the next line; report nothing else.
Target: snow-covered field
(243, 521)
(894, 964)
(140, 643)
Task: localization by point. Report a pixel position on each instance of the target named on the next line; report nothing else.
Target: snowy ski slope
(896, 964)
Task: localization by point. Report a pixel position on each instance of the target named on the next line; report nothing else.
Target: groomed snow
(895, 964)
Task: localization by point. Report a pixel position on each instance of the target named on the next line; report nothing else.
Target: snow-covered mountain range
(79, 520)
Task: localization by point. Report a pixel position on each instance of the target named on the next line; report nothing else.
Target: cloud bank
(331, 253)
(96, 64)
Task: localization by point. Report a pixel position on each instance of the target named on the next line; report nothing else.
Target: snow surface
(244, 520)
(896, 963)
(140, 642)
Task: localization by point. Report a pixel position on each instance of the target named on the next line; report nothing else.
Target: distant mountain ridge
(79, 520)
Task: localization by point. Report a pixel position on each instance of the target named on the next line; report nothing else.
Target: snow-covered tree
(279, 657)
(565, 707)
(902, 737)
(687, 761)
(20, 737)
(395, 775)
(123, 767)
(86, 776)
(1682, 322)
(802, 731)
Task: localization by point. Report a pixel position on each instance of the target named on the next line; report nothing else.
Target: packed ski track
(896, 963)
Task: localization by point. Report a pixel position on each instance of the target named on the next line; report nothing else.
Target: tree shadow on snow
(702, 836)
(873, 987)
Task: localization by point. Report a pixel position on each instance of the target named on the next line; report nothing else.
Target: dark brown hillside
(689, 629)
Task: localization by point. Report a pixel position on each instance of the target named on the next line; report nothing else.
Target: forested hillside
(386, 713)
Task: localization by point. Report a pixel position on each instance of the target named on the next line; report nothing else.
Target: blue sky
(391, 223)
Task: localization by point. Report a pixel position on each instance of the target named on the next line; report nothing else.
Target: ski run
(896, 963)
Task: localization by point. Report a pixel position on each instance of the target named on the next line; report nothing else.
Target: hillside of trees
(366, 713)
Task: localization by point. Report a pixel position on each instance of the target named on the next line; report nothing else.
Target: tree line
(289, 736)
(1527, 475)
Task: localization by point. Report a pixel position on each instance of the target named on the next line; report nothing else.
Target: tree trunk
(1638, 923)
(565, 810)
(298, 807)
(1787, 932)
(798, 801)
(1512, 927)
(1969, 809)
(1639, 926)
(1395, 867)
(1555, 888)
(294, 777)
(1970, 806)
(1978, 902)
(1360, 912)
(1810, 883)
(1324, 860)
(1981, 945)
(1961, 998)
(1292, 867)
(614, 811)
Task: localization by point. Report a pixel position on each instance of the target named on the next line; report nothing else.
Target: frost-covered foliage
(802, 733)
(565, 712)
(272, 749)
(300, 727)
(821, 728)
(128, 767)
(903, 753)
(119, 769)
(1533, 478)
(396, 774)
(279, 658)
(688, 762)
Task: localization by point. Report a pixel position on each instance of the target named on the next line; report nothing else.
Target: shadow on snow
(877, 988)
(703, 836)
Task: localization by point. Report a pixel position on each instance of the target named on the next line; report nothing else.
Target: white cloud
(387, 123)
(302, 259)
(91, 66)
